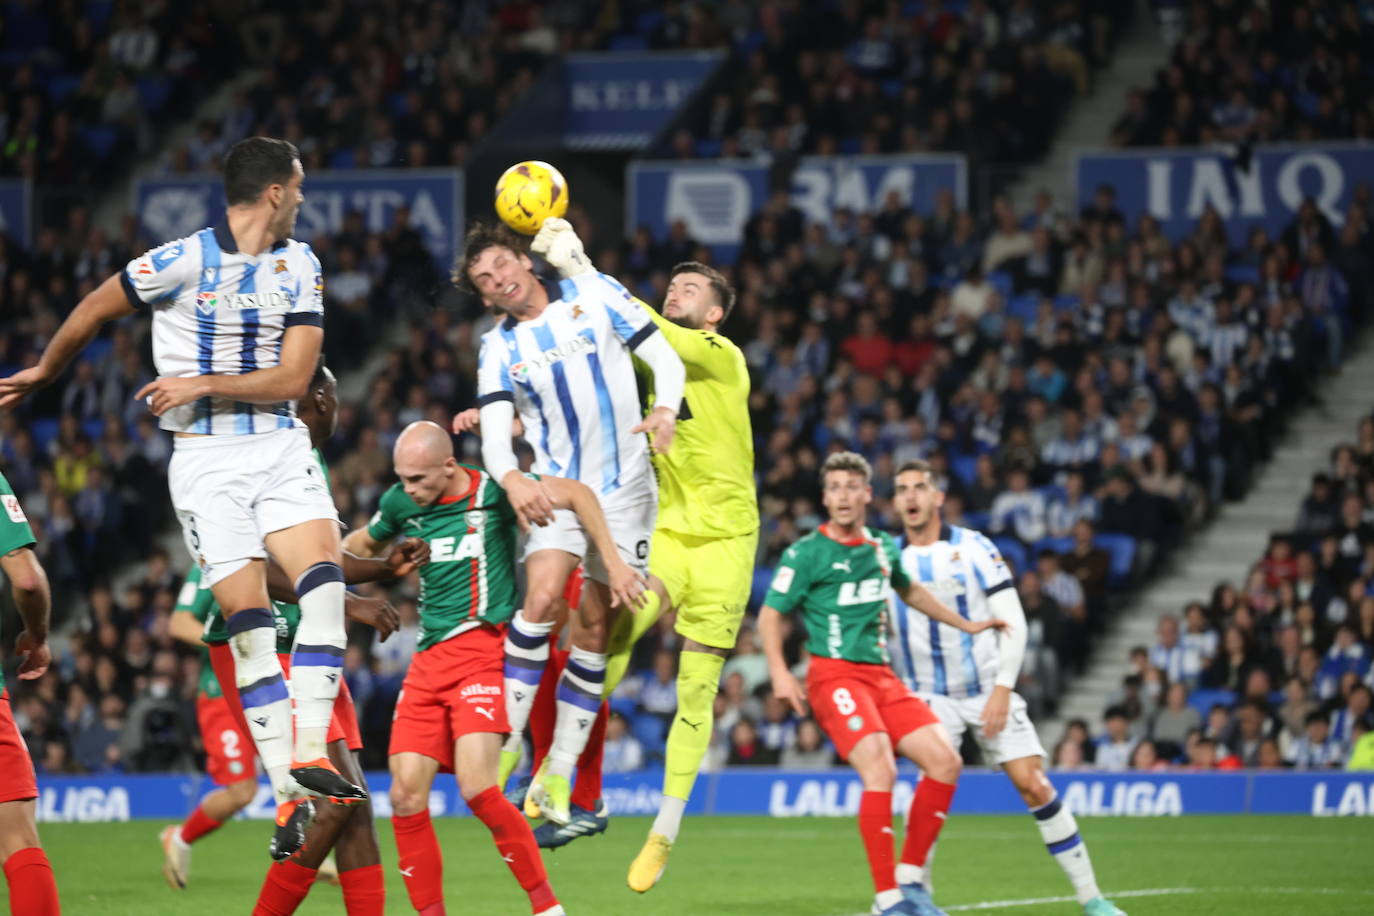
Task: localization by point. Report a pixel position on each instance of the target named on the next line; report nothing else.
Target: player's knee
(241, 793)
(407, 800)
(472, 786)
(1035, 789)
(878, 775)
(944, 764)
(540, 604)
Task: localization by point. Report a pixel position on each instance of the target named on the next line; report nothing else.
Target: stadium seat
(964, 467)
(706, 148)
(154, 91)
(43, 430)
(1121, 549)
(978, 521)
(650, 730)
(100, 140)
(1205, 698)
(59, 87)
(1242, 273)
(1024, 306)
(1056, 545)
(628, 43)
(1012, 550)
(1065, 301)
(1000, 280)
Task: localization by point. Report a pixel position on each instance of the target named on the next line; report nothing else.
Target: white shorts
(1016, 740)
(230, 492)
(632, 528)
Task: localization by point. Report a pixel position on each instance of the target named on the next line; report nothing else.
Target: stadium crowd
(1258, 73)
(1275, 673)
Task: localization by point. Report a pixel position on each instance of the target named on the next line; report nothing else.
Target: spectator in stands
(1070, 506)
(1347, 654)
(1126, 510)
(745, 747)
(1232, 664)
(157, 735)
(1144, 756)
(1091, 566)
(807, 750)
(1171, 724)
(1315, 748)
(622, 753)
(1172, 656)
(1068, 755)
(748, 662)
(1356, 709)
(777, 729)
(1019, 511)
(1063, 588)
(1115, 745)
(657, 693)
(1250, 726)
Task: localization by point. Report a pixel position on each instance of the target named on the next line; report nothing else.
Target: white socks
(579, 701)
(263, 694)
(317, 657)
(1060, 832)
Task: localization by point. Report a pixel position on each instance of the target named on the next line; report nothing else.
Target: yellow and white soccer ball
(528, 193)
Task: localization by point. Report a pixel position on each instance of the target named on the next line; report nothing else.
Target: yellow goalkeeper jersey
(706, 481)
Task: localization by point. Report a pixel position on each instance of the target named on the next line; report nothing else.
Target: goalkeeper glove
(557, 241)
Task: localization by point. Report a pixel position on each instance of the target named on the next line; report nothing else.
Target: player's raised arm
(919, 597)
(289, 380)
(786, 687)
(105, 303)
(626, 585)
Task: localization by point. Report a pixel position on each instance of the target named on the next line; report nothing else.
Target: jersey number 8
(844, 701)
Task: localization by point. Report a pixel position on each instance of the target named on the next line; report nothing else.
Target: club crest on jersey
(206, 301)
(280, 266)
(577, 312)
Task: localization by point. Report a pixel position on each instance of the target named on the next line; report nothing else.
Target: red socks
(515, 843)
(364, 892)
(587, 788)
(285, 887)
(875, 826)
(927, 816)
(197, 825)
(33, 892)
(421, 863)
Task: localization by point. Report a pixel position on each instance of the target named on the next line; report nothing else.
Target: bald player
(451, 714)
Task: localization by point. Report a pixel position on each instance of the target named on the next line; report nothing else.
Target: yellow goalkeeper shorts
(708, 579)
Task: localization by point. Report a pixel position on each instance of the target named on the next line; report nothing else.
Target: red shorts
(452, 689)
(228, 748)
(18, 782)
(344, 725)
(851, 700)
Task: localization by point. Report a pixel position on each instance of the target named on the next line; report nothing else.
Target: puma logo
(507, 858)
(941, 815)
(887, 830)
(695, 726)
(482, 710)
(407, 872)
(841, 566)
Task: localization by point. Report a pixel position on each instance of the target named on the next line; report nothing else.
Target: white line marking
(1156, 892)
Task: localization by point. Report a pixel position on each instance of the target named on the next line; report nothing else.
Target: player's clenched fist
(529, 498)
(407, 555)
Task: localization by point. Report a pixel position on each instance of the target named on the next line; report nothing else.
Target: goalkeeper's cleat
(1101, 906)
(916, 895)
(552, 794)
(176, 857)
(648, 866)
(510, 759)
(531, 808)
(582, 823)
(293, 819)
(318, 777)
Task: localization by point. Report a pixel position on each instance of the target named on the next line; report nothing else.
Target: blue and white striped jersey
(572, 378)
(962, 569)
(218, 311)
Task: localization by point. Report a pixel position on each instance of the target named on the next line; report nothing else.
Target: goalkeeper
(708, 522)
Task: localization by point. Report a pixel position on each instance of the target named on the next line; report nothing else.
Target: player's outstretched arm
(373, 612)
(920, 597)
(289, 380)
(627, 586)
(103, 304)
(29, 585)
(786, 687)
(184, 626)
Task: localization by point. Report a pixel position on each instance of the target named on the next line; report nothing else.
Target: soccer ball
(529, 193)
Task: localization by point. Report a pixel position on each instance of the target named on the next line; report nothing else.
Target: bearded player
(706, 535)
(838, 577)
(451, 713)
(970, 681)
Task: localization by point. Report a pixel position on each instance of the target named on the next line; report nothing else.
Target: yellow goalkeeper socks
(629, 626)
(698, 679)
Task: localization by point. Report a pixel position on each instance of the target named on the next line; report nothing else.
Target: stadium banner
(16, 210)
(174, 207)
(716, 198)
(784, 793)
(620, 101)
(1176, 186)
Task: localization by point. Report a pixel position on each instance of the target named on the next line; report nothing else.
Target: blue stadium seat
(964, 467)
(650, 731)
(1205, 698)
(1000, 280)
(1065, 301)
(624, 706)
(851, 146)
(97, 350)
(1024, 306)
(706, 148)
(763, 577)
(43, 430)
(59, 87)
(978, 521)
(628, 43)
(1058, 545)
(1121, 557)
(154, 91)
(1012, 551)
(343, 158)
(93, 428)
(1242, 273)
(648, 21)
(100, 139)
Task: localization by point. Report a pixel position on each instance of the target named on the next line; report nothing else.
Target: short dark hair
(725, 296)
(915, 464)
(322, 375)
(482, 235)
(253, 164)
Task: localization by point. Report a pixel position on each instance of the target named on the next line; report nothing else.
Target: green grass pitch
(739, 866)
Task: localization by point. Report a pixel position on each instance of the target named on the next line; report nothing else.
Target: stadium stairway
(1231, 544)
(1088, 125)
